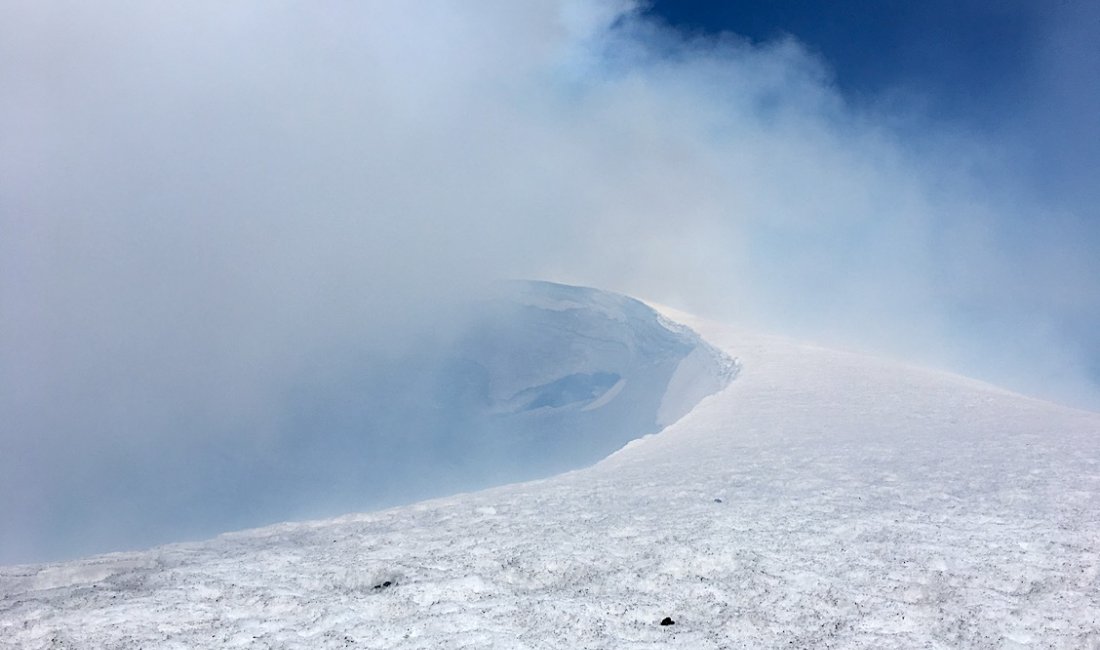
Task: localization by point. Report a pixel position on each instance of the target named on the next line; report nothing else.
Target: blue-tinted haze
(205, 203)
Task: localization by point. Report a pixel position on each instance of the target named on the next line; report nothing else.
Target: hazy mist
(200, 202)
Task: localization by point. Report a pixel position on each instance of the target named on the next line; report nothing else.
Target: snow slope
(527, 382)
(823, 499)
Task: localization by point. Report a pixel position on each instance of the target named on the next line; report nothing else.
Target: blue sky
(1012, 69)
(1020, 75)
(204, 203)
(964, 56)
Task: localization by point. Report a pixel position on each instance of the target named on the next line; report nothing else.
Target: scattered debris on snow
(865, 505)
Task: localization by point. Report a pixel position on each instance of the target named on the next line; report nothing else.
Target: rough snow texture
(821, 500)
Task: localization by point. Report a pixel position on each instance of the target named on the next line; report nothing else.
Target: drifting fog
(202, 201)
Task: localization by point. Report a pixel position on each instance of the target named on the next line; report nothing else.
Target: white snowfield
(823, 499)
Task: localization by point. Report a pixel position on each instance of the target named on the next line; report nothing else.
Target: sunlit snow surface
(823, 499)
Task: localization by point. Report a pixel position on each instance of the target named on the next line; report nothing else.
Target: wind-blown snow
(822, 499)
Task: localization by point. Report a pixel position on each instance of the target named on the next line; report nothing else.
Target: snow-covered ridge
(559, 377)
(529, 381)
(823, 499)
(550, 346)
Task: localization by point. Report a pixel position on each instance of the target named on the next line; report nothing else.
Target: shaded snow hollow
(533, 380)
(538, 379)
(823, 499)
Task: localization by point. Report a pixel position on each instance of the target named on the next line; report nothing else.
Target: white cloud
(200, 197)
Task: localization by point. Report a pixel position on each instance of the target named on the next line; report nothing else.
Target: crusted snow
(822, 499)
